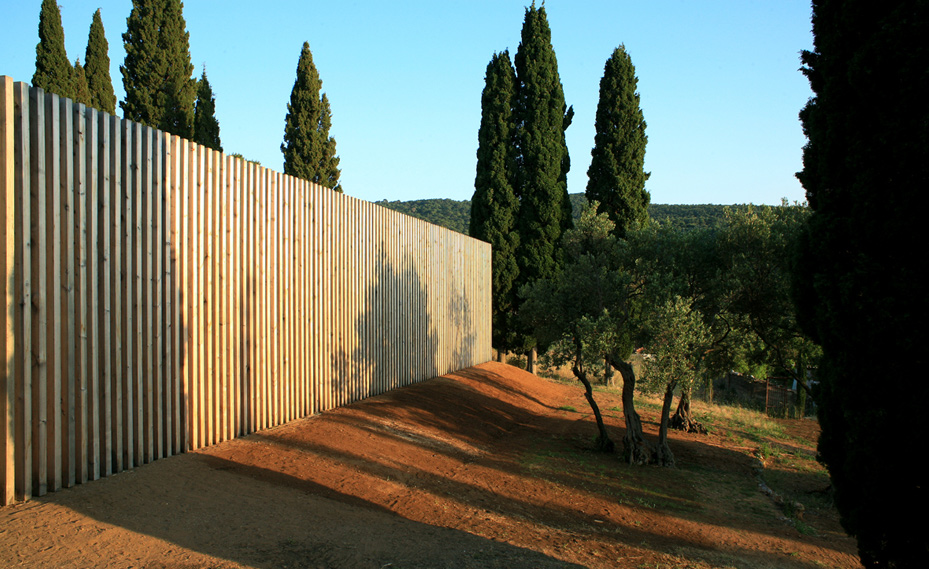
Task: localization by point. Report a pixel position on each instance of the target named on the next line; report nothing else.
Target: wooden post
(7, 276)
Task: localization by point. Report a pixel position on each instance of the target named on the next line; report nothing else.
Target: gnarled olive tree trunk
(603, 442)
(664, 455)
(683, 420)
(636, 449)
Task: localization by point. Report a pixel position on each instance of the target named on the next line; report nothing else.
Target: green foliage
(676, 338)
(590, 301)
(206, 126)
(97, 68)
(160, 91)
(179, 90)
(494, 207)
(541, 119)
(309, 151)
(53, 71)
(79, 89)
(859, 285)
(616, 177)
(448, 213)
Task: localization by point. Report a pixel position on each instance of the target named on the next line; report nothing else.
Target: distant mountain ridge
(456, 215)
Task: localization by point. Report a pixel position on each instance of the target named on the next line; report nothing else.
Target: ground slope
(486, 467)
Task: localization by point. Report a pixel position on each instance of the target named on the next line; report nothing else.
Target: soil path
(486, 467)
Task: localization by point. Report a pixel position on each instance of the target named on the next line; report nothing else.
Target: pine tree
(97, 68)
(309, 151)
(494, 206)
(616, 177)
(53, 71)
(160, 91)
(859, 280)
(79, 84)
(541, 118)
(206, 127)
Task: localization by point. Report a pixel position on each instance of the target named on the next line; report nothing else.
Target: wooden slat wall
(161, 297)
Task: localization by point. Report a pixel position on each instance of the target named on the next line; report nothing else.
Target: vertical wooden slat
(115, 191)
(56, 363)
(105, 313)
(156, 304)
(39, 307)
(82, 366)
(22, 310)
(91, 316)
(8, 120)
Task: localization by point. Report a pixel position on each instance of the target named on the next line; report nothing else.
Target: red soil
(486, 467)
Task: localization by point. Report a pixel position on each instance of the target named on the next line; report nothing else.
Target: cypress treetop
(160, 90)
(179, 90)
(53, 71)
(494, 206)
(616, 177)
(309, 151)
(97, 68)
(143, 67)
(206, 127)
(79, 84)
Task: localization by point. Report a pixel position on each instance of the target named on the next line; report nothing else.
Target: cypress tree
(79, 84)
(179, 90)
(160, 91)
(309, 151)
(543, 162)
(616, 177)
(859, 287)
(143, 67)
(53, 71)
(206, 127)
(494, 206)
(97, 68)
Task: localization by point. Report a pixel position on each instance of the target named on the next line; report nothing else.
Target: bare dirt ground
(486, 467)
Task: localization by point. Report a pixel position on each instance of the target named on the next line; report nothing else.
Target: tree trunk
(636, 449)
(665, 456)
(603, 442)
(499, 356)
(607, 372)
(530, 361)
(683, 420)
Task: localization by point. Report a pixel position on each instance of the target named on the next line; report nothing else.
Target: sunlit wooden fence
(160, 296)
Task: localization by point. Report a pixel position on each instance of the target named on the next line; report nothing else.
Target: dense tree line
(456, 214)
(698, 302)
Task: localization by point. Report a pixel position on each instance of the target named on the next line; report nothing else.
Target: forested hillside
(455, 215)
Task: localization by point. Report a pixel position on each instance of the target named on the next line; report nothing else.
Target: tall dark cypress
(494, 206)
(616, 177)
(97, 68)
(179, 90)
(143, 67)
(79, 88)
(859, 281)
(543, 162)
(53, 71)
(206, 126)
(541, 119)
(309, 151)
(160, 90)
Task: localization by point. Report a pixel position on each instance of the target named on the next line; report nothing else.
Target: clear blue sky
(719, 83)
